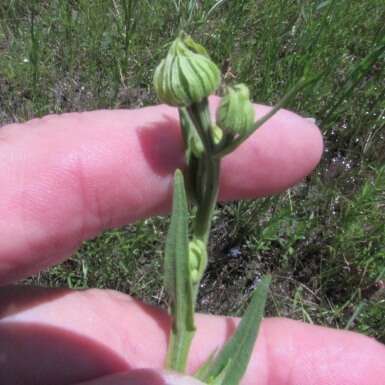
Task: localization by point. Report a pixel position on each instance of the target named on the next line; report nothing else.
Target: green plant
(185, 78)
(264, 45)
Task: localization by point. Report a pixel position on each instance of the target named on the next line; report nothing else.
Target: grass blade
(356, 75)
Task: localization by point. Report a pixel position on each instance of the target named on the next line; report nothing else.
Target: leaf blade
(178, 280)
(231, 362)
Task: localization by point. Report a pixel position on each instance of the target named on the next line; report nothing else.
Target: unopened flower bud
(216, 133)
(236, 113)
(197, 257)
(186, 75)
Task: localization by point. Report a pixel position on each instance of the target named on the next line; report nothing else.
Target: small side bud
(196, 146)
(236, 114)
(197, 259)
(187, 74)
(217, 133)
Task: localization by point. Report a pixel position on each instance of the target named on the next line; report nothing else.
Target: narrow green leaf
(231, 362)
(204, 370)
(177, 279)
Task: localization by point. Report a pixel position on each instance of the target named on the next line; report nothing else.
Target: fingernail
(145, 377)
(172, 378)
(312, 120)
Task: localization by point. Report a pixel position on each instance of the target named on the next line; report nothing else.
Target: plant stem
(208, 183)
(178, 349)
(205, 210)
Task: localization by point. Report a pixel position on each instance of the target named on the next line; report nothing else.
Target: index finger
(64, 178)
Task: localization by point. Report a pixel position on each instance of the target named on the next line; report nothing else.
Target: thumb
(145, 377)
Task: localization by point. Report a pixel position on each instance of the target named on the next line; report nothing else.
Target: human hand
(66, 178)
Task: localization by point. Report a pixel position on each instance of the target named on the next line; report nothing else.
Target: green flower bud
(196, 146)
(236, 114)
(186, 75)
(197, 259)
(216, 133)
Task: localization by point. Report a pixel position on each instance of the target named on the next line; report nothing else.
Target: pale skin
(66, 178)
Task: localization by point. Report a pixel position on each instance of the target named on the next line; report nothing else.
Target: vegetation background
(323, 240)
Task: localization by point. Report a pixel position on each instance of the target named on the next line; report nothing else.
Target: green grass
(324, 240)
